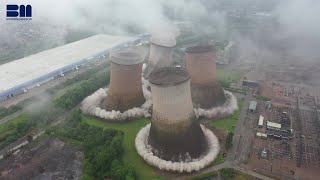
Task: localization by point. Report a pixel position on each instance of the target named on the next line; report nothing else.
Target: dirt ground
(287, 93)
(47, 158)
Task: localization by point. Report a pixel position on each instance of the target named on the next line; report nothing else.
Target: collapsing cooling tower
(201, 65)
(161, 52)
(125, 89)
(175, 133)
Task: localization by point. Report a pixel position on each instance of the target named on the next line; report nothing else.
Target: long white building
(19, 75)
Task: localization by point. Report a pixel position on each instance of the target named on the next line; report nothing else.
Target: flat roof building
(260, 123)
(253, 106)
(250, 84)
(272, 125)
(262, 135)
(32, 70)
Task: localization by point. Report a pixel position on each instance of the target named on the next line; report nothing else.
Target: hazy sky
(297, 18)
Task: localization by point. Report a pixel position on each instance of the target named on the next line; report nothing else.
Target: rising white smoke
(228, 108)
(91, 106)
(145, 151)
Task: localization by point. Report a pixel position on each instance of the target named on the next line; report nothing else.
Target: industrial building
(276, 133)
(250, 84)
(260, 122)
(21, 75)
(175, 132)
(272, 125)
(125, 88)
(253, 106)
(201, 65)
(262, 135)
(161, 52)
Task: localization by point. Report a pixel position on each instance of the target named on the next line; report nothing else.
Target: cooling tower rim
(166, 46)
(200, 49)
(168, 76)
(163, 41)
(126, 57)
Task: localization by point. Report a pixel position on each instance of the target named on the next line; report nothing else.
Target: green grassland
(228, 123)
(263, 98)
(219, 160)
(143, 170)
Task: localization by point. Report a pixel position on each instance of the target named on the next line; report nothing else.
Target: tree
(229, 140)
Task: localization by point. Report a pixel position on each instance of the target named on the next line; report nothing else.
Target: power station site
(159, 89)
(170, 95)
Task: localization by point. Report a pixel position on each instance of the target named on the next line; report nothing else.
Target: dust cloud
(145, 151)
(91, 106)
(230, 106)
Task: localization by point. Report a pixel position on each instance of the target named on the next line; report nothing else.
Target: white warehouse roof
(26, 69)
(261, 118)
(273, 125)
(253, 105)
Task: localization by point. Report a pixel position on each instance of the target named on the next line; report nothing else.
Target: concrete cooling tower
(175, 133)
(161, 52)
(125, 89)
(201, 65)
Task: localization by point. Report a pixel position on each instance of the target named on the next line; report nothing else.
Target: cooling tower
(175, 132)
(161, 52)
(201, 65)
(125, 89)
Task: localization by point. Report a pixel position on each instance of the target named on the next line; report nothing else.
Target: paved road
(242, 136)
(226, 164)
(252, 173)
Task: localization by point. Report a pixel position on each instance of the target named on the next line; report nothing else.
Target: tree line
(86, 87)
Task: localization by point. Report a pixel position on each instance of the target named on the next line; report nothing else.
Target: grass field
(228, 123)
(263, 98)
(219, 160)
(131, 157)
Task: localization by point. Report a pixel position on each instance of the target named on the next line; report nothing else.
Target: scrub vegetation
(73, 96)
(25, 123)
(102, 148)
(7, 111)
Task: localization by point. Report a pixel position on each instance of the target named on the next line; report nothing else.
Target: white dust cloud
(229, 107)
(91, 106)
(145, 151)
